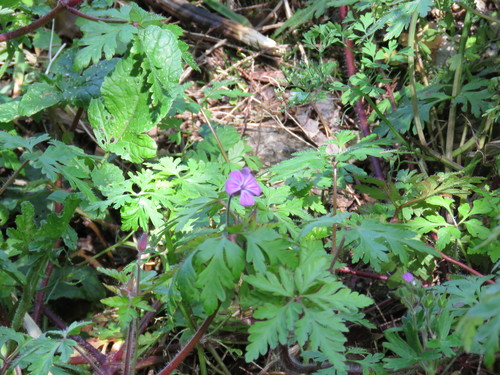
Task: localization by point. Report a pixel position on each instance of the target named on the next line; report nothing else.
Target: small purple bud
(408, 277)
(142, 243)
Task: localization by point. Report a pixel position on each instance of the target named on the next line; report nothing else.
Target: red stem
(40, 296)
(62, 5)
(32, 26)
(461, 265)
(189, 346)
(360, 111)
(369, 275)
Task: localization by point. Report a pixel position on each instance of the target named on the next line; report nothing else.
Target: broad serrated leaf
(78, 88)
(121, 128)
(9, 110)
(163, 62)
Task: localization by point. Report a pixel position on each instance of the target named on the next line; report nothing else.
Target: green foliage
(223, 262)
(49, 352)
(374, 241)
(480, 325)
(307, 306)
(120, 129)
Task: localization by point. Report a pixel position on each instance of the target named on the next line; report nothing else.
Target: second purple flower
(245, 184)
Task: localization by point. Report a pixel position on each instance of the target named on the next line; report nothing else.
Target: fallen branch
(187, 12)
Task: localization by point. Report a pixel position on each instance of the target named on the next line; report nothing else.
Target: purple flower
(408, 277)
(244, 183)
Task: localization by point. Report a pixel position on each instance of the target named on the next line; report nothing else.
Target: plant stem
(413, 83)
(360, 111)
(457, 84)
(189, 346)
(119, 243)
(461, 265)
(201, 359)
(13, 176)
(218, 359)
(334, 228)
(228, 210)
(32, 26)
(219, 143)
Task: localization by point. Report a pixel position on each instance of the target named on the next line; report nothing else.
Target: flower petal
(252, 186)
(246, 198)
(237, 176)
(232, 186)
(246, 172)
(408, 277)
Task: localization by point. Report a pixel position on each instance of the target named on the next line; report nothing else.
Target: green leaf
(270, 283)
(55, 224)
(225, 11)
(76, 283)
(481, 325)
(323, 221)
(266, 334)
(9, 110)
(163, 62)
(78, 88)
(479, 100)
(101, 37)
(373, 241)
(222, 261)
(477, 229)
(259, 244)
(120, 128)
(39, 96)
(323, 330)
(69, 161)
(25, 233)
(43, 355)
(14, 141)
